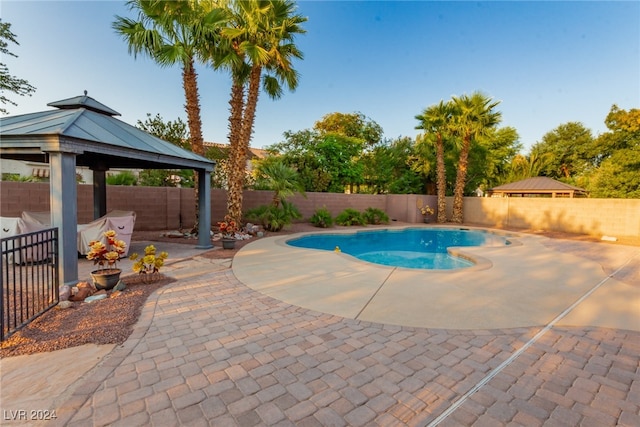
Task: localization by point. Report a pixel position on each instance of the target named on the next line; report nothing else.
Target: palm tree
(257, 48)
(279, 178)
(523, 167)
(473, 117)
(435, 120)
(173, 33)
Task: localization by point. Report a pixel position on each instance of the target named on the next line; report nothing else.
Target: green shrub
(274, 218)
(322, 218)
(376, 216)
(349, 217)
(122, 178)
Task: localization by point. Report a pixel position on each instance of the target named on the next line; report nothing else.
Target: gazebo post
(204, 209)
(64, 213)
(99, 193)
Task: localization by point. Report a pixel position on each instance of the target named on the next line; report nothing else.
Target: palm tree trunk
(192, 107)
(441, 180)
(235, 168)
(241, 131)
(461, 178)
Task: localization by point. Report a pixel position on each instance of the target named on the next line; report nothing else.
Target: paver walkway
(211, 351)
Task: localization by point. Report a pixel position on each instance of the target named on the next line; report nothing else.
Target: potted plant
(149, 265)
(228, 228)
(425, 210)
(106, 256)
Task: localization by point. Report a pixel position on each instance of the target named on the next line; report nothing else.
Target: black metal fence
(29, 278)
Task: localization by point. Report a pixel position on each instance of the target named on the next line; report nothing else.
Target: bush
(322, 218)
(274, 218)
(122, 178)
(349, 217)
(376, 216)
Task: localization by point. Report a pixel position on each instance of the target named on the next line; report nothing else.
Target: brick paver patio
(210, 351)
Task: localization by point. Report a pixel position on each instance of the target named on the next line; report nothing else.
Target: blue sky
(547, 62)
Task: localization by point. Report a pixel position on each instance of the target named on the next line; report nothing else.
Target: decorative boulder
(65, 292)
(96, 297)
(62, 305)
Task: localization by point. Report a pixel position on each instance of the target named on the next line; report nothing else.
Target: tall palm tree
(473, 117)
(435, 121)
(172, 33)
(257, 48)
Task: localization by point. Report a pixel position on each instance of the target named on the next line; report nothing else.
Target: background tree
(9, 83)
(619, 172)
(390, 167)
(490, 159)
(353, 125)
(177, 133)
(570, 149)
(473, 117)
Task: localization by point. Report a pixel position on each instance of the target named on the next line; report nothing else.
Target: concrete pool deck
(524, 284)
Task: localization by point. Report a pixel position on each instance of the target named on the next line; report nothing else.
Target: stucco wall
(162, 208)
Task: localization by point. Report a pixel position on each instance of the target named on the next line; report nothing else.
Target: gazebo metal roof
(539, 185)
(88, 128)
(83, 132)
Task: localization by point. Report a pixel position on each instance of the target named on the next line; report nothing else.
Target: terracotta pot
(106, 279)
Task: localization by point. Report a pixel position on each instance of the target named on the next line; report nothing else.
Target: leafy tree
(257, 48)
(570, 150)
(297, 151)
(177, 133)
(390, 167)
(9, 83)
(491, 158)
(619, 155)
(353, 125)
(473, 118)
(326, 162)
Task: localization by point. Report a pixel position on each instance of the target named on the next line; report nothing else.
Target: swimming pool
(410, 248)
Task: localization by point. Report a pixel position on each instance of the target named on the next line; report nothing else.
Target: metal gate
(29, 278)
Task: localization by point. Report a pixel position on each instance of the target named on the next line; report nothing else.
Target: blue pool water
(409, 248)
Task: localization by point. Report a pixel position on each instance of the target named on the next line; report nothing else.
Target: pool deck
(292, 337)
(520, 285)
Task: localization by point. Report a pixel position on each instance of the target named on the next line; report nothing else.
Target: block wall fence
(166, 208)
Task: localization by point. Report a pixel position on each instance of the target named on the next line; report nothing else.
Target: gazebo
(539, 186)
(83, 132)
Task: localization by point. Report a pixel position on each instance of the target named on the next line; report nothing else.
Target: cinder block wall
(164, 208)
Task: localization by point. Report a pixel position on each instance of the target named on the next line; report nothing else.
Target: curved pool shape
(409, 248)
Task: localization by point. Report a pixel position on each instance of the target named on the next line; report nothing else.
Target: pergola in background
(84, 132)
(539, 186)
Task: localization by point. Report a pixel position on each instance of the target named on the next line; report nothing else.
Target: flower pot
(228, 243)
(106, 279)
(426, 220)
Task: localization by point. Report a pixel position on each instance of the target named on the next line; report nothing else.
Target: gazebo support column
(64, 213)
(99, 193)
(204, 209)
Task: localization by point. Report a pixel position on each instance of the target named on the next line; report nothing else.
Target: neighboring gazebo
(83, 132)
(539, 186)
